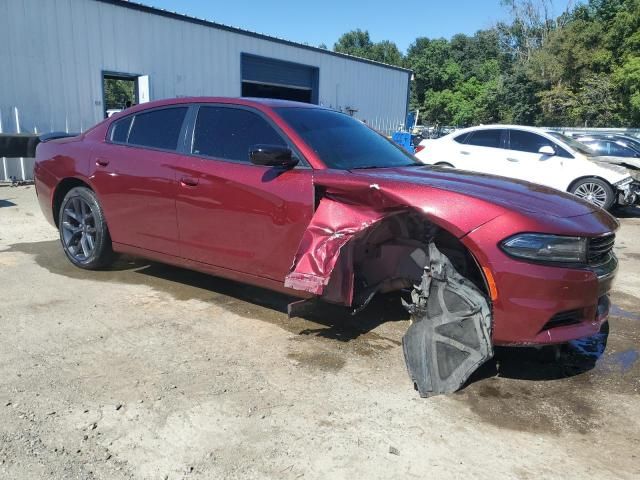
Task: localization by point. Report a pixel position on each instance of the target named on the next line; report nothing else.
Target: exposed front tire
(444, 165)
(595, 191)
(83, 230)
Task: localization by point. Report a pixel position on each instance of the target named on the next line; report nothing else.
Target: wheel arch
(349, 263)
(584, 177)
(62, 188)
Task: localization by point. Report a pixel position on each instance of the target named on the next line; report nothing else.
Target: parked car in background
(613, 147)
(627, 139)
(532, 154)
(311, 202)
(625, 149)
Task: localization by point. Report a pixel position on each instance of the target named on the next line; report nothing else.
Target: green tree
(118, 92)
(579, 68)
(627, 80)
(359, 44)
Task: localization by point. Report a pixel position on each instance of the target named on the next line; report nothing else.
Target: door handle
(102, 162)
(188, 181)
(511, 159)
(464, 152)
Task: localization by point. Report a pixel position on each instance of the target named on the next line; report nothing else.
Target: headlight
(542, 247)
(624, 183)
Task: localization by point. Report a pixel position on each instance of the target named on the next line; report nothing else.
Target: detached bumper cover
(450, 336)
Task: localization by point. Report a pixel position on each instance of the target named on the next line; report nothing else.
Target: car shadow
(6, 203)
(333, 322)
(547, 363)
(627, 212)
(321, 320)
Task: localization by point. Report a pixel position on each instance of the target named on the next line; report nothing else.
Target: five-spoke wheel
(83, 230)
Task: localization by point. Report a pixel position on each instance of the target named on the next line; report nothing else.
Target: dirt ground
(150, 371)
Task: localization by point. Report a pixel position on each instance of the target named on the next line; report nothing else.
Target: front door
(232, 213)
(534, 166)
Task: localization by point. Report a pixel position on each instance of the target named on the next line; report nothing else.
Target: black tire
(444, 165)
(83, 230)
(595, 191)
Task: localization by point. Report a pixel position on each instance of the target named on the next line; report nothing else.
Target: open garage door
(270, 78)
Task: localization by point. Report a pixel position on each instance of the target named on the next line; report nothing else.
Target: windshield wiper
(365, 167)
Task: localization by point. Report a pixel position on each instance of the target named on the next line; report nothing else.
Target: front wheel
(595, 191)
(83, 230)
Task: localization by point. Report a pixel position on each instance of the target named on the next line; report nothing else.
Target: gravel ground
(150, 371)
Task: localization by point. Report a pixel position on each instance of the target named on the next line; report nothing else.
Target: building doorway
(263, 90)
(120, 92)
(272, 78)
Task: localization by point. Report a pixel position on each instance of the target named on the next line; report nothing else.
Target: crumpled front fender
(333, 225)
(346, 209)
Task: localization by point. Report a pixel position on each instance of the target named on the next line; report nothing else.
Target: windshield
(577, 146)
(342, 142)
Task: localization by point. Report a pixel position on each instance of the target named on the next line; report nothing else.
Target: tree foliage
(581, 68)
(359, 44)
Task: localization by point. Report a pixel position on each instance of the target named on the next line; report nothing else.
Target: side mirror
(272, 156)
(547, 150)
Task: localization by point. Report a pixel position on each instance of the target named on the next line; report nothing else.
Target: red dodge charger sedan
(311, 202)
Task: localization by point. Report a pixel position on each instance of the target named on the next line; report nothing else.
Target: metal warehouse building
(56, 56)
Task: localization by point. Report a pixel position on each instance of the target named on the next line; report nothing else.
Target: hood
(620, 164)
(508, 193)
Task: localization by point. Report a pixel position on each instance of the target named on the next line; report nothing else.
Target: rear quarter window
(120, 130)
(461, 138)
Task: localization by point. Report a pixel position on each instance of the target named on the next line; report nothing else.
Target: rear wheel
(83, 231)
(595, 191)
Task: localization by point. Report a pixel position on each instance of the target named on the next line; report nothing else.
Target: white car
(535, 155)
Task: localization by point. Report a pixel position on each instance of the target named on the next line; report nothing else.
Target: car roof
(246, 101)
(501, 126)
(609, 136)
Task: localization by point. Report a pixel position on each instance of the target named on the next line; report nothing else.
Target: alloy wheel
(592, 192)
(78, 229)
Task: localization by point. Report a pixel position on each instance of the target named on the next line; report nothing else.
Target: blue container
(404, 140)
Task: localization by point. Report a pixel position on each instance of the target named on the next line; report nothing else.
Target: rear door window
(485, 138)
(229, 133)
(158, 128)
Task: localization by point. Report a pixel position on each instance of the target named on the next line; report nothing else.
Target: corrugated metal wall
(53, 53)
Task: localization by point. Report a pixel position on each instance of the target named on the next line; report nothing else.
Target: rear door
(232, 213)
(134, 173)
(483, 151)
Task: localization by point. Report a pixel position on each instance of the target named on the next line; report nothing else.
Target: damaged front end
(363, 241)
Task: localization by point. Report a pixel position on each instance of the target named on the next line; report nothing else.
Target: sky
(325, 20)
